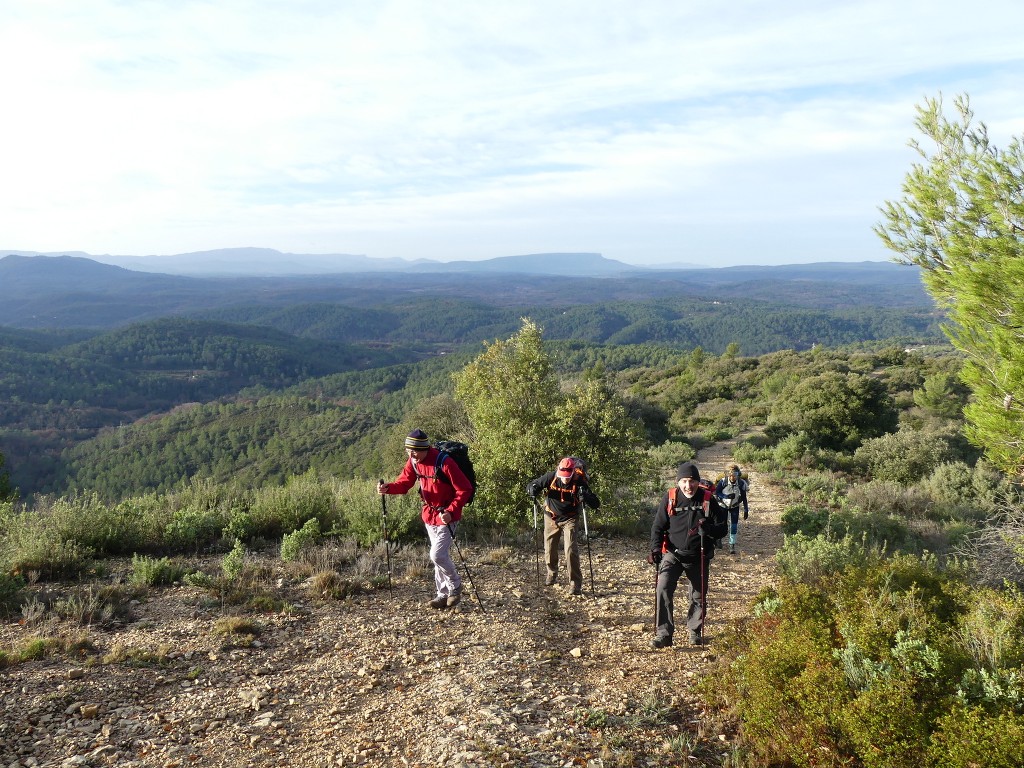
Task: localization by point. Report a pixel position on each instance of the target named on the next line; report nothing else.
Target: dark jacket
(680, 532)
(563, 501)
(448, 494)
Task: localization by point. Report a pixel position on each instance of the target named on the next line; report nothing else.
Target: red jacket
(438, 495)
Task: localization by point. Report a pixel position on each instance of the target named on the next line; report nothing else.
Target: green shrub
(821, 488)
(810, 560)
(293, 543)
(905, 456)
(970, 736)
(362, 516)
(234, 562)
(881, 497)
(671, 453)
(191, 529)
(31, 544)
(278, 510)
(801, 518)
(151, 572)
(874, 530)
(11, 594)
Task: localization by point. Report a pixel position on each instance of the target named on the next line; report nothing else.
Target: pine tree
(961, 220)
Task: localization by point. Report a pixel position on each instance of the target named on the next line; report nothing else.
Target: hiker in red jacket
(686, 524)
(444, 490)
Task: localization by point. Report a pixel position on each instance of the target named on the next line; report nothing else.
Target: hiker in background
(731, 492)
(686, 523)
(566, 489)
(445, 491)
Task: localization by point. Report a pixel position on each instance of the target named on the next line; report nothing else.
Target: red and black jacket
(439, 494)
(563, 500)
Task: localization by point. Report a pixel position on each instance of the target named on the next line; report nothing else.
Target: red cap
(566, 467)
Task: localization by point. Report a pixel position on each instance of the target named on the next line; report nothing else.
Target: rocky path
(534, 677)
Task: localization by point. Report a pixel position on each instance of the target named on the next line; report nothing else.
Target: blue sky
(666, 131)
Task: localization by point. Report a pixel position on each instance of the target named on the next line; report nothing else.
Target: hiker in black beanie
(686, 523)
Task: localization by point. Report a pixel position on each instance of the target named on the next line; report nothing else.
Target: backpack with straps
(459, 453)
(707, 488)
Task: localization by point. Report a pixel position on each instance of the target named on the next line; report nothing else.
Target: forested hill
(60, 292)
(72, 363)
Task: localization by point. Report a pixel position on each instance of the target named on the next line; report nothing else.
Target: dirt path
(738, 578)
(536, 678)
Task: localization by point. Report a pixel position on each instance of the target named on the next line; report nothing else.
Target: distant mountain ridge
(77, 292)
(267, 262)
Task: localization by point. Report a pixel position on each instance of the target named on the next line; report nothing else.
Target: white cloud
(468, 129)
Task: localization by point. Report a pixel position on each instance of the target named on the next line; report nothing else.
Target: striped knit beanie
(417, 440)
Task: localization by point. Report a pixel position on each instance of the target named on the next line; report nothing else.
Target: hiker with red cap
(445, 490)
(566, 490)
(687, 522)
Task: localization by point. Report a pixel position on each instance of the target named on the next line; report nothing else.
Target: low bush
(905, 456)
(812, 559)
(292, 544)
(152, 572)
(804, 519)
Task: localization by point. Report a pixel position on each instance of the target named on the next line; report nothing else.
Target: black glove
(745, 514)
(654, 558)
(532, 490)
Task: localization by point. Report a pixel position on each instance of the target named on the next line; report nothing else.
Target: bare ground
(533, 677)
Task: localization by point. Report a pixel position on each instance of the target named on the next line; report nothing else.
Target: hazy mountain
(77, 292)
(267, 262)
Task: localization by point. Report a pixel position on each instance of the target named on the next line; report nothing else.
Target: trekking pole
(536, 539)
(657, 575)
(466, 566)
(590, 559)
(703, 588)
(387, 544)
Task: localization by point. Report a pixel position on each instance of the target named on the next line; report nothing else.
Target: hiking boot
(453, 599)
(695, 638)
(441, 601)
(550, 581)
(577, 590)
(661, 641)
(732, 549)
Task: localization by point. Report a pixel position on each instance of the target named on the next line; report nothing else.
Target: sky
(653, 132)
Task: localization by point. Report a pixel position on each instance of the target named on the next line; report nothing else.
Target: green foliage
(671, 453)
(593, 423)
(970, 736)
(942, 394)
(813, 559)
(40, 543)
(834, 410)
(511, 394)
(865, 663)
(292, 544)
(959, 220)
(277, 510)
(522, 423)
(905, 456)
(11, 593)
(6, 492)
(193, 528)
(802, 518)
(233, 563)
(152, 572)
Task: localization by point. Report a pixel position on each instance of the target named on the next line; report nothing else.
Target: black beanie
(688, 469)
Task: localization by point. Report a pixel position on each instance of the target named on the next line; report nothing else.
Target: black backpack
(460, 455)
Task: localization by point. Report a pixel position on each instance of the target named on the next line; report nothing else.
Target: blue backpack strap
(438, 474)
